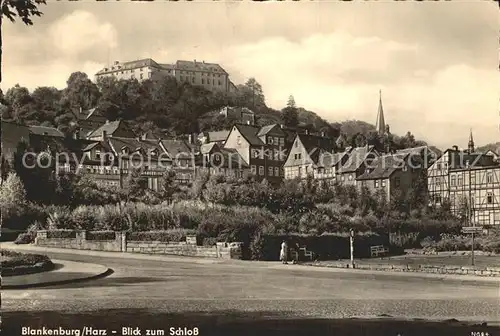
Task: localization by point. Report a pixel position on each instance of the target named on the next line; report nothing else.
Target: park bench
(378, 250)
(306, 253)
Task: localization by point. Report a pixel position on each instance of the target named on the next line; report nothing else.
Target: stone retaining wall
(121, 244)
(464, 270)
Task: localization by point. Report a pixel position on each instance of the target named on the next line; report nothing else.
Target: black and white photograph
(250, 168)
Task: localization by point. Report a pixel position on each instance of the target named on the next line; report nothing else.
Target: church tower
(471, 143)
(381, 127)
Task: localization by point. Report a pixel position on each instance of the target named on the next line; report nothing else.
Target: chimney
(190, 138)
(323, 134)
(81, 109)
(107, 121)
(282, 126)
(104, 135)
(306, 131)
(76, 134)
(248, 122)
(455, 147)
(117, 62)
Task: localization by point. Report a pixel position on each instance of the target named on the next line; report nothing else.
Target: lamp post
(351, 241)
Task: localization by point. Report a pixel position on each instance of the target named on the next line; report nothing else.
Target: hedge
(324, 247)
(22, 259)
(174, 235)
(100, 235)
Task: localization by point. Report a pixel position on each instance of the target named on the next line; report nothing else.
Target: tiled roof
(415, 150)
(266, 129)
(109, 127)
(197, 66)
(250, 134)
(207, 148)
(177, 148)
(147, 62)
(217, 136)
(42, 130)
(233, 158)
(357, 156)
(384, 166)
(326, 159)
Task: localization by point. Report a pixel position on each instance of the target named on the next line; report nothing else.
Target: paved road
(183, 284)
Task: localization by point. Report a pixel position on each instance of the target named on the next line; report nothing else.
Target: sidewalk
(64, 272)
(29, 248)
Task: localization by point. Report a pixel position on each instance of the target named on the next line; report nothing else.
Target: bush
(174, 235)
(16, 259)
(25, 238)
(60, 234)
(84, 218)
(209, 241)
(60, 218)
(100, 235)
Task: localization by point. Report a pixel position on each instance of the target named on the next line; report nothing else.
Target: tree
(290, 114)
(23, 9)
(251, 95)
(80, 92)
(168, 185)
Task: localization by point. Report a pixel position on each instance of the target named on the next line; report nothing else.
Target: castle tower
(471, 143)
(381, 127)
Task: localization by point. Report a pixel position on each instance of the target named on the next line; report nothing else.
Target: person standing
(284, 252)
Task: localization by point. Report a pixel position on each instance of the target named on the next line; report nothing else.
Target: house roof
(197, 66)
(250, 134)
(109, 127)
(266, 129)
(217, 136)
(326, 159)
(43, 130)
(176, 148)
(384, 166)
(207, 148)
(357, 157)
(146, 62)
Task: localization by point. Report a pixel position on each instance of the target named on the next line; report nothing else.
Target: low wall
(463, 270)
(121, 244)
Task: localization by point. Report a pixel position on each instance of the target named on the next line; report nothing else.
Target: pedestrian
(284, 252)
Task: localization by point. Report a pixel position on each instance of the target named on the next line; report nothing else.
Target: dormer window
(125, 150)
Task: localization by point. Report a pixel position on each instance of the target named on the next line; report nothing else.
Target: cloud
(80, 32)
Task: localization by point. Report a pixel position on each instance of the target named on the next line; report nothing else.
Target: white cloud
(81, 31)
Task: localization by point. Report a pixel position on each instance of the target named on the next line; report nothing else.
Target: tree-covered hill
(169, 107)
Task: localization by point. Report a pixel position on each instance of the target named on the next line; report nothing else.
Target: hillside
(495, 147)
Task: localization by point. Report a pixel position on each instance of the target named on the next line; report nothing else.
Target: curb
(422, 269)
(104, 274)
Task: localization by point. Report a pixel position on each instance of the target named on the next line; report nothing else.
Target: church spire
(380, 116)
(471, 142)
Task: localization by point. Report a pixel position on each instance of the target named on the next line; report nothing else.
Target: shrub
(61, 234)
(25, 238)
(84, 218)
(174, 235)
(100, 235)
(16, 259)
(60, 218)
(209, 241)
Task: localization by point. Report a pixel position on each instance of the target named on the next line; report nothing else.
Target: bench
(306, 253)
(378, 250)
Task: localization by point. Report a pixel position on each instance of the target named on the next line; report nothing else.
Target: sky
(435, 62)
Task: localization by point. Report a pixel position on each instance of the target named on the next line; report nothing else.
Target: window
(276, 141)
(202, 81)
(489, 198)
(472, 177)
(350, 177)
(97, 154)
(255, 153)
(489, 177)
(405, 168)
(149, 74)
(300, 171)
(383, 183)
(270, 140)
(270, 171)
(375, 183)
(343, 178)
(276, 171)
(460, 181)
(141, 76)
(438, 166)
(452, 199)
(438, 181)
(261, 170)
(453, 181)
(238, 140)
(192, 79)
(276, 155)
(296, 144)
(299, 156)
